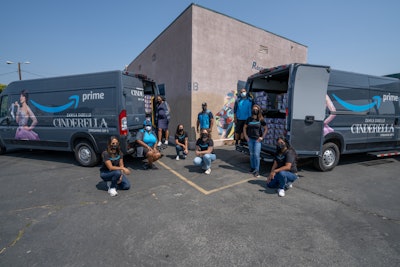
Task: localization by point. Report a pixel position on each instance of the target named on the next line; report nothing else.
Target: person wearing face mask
(205, 119)
(284, 169)
(147, 141)
(181, 142)
(241, 111)
(204, 151)
(162, 117)
(254, 131)
(113, 169)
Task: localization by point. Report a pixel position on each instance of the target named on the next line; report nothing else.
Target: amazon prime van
(75, 113)
(325, 113)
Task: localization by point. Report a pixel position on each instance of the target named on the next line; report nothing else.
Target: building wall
(167, 60)
(201, 57)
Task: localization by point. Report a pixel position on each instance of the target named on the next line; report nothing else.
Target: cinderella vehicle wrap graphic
(376, 101)
(74, 100)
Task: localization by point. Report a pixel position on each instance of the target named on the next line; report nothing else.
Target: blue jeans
(205, 161)
(282, 179)
(179, 149)
(254, 150)
(113, 176)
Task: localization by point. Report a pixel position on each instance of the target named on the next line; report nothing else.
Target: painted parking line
(197, 187)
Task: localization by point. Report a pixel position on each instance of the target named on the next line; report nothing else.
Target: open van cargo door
(309, 90)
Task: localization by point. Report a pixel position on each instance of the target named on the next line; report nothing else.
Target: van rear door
(307, 114)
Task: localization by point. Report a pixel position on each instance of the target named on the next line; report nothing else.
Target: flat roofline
(194, 4)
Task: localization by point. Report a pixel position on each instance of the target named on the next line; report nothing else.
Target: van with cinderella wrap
(75, 113)
(325, 113)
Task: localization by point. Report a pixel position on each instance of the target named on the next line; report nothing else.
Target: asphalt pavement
(56, 213)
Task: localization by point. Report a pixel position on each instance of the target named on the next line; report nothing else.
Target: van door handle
(309, 119)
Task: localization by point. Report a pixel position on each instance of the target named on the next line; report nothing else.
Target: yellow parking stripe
(199, 188)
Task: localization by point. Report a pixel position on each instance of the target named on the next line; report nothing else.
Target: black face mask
(204, 135)
(255, 111)
(204, 108)
(181, 130)
(280, 147)
(114, 147)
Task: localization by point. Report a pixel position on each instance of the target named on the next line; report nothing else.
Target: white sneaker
(113, 192)
(159, 143)
(177, 157)
(208, 171)
(166, 142)
(281, 192)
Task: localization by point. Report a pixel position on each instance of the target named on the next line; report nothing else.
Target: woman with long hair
(113, 169)
(254, 131)
(284, 169)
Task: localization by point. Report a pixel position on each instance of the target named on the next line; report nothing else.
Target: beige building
(205, 56)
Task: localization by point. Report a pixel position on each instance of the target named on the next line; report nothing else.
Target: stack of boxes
(276, 125)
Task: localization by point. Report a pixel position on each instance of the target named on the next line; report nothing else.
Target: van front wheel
(85, 154)
(329, 159)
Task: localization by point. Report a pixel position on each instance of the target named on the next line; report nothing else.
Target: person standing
(205, 119)
(163, 117)
(23, 114)
(254, 131)
(284, 169)
(181, 142)
(241, 111)
(113, 169)
(204, 151)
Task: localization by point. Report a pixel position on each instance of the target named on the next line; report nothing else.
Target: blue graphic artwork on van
(376, 101)
(74, 100)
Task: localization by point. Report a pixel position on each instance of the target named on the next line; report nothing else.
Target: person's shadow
(263, 185)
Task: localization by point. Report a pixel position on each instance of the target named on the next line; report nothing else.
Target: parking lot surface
(55, 213)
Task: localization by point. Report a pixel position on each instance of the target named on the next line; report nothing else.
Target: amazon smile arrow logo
(74, 100)
(376, 101)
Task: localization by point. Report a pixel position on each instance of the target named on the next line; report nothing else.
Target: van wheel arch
(329, 158)
(85, 153)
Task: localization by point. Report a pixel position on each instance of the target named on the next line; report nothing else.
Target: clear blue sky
(82, 36)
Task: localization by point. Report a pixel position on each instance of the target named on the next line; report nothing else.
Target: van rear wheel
(85, 154)
(329, 159)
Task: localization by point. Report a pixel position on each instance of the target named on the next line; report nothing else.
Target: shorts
(239, 126)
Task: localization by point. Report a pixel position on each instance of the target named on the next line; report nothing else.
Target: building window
(153, 57)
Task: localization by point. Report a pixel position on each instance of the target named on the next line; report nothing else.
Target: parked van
(325, 113)
(75, 113)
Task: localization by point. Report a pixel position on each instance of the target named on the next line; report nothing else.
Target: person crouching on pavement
(284, 169)
(204, 151)
(113, 169)
(181, 142)
(147, 142)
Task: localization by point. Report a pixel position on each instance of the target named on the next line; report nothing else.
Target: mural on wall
(224, 117)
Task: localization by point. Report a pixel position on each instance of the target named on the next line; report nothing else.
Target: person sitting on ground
(204, 151)
(181, 142)
(113, 169)
(284, 169)
(147, 141)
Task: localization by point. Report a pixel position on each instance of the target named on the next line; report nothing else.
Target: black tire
(329, 159)
(85, 154)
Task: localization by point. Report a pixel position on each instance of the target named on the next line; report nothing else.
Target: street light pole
(19, 67)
